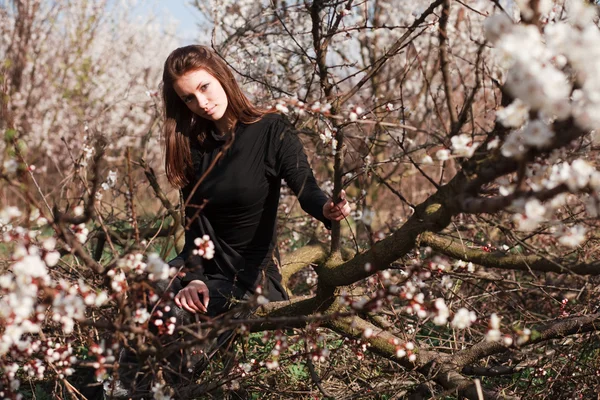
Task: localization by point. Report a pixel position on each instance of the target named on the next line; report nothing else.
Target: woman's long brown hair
(181, 125)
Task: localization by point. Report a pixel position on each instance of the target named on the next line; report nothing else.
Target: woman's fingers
(205, 297)
(186, 300)
(336, 207)
(340, 209)
(342, 204)
(337, 212)
(196, 301)
(191, 303)
(201, 289)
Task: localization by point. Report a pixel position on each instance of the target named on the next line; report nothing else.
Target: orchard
(464, 133)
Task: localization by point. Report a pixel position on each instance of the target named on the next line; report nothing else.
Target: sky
(185, 14)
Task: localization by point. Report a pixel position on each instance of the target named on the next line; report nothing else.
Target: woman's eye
(204, 87)
(187, 100)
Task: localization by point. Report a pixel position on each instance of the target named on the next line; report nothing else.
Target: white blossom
(204, 247)
(581, 171)
(537, 134)
(514, 147)
(118, 280)
(493, 334)
(427, 160)
(526, 224)
(534, 209)
(8, 214)
(443, 154)
(282, 108)
(463, 145)
(31, 266)
(141, 315)
(67, 309)
(514, 115)
(111, 180)
(494, 143)
(581, 13)
(51, 258)
(367, 216)
(157, 268)
(442, 314)
(49, 244)
(497, 26)
(463, 319)
(572, 236)
(262, 300)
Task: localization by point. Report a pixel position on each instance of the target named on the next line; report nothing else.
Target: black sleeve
(192, 268)
(286, 156)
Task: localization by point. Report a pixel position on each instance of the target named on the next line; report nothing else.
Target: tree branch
(490, 205)
(313, 252)
(556, 329)
(437, 366)
(499, 260)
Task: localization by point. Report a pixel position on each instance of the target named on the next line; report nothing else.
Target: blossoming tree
(465, 135)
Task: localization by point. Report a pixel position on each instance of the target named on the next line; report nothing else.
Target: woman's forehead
(190, 80)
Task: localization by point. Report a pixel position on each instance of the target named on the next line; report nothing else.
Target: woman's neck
(226, 123)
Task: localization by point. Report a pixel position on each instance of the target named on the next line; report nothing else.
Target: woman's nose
(202, 100)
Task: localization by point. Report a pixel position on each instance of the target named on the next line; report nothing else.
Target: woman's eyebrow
(184, 95)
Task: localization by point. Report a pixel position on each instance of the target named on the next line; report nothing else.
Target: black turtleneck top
(241, 196)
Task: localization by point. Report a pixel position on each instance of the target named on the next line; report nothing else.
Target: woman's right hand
(194, 297)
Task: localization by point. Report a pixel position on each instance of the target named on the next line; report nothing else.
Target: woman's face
(203, 94)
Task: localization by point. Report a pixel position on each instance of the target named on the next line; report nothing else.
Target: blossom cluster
(463, 145)
(154, 267)
(405, 350)
(204, 247)
(408, 290)
(109, 183)
(551, 74)
(30, 300)
(576, 176)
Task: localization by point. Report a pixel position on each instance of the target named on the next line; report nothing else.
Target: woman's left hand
(339, 211)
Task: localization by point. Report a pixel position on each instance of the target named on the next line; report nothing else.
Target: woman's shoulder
(272, 116)
(269, 125)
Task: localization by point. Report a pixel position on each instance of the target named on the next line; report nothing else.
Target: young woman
(228, 157)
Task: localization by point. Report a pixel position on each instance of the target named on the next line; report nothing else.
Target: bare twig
(129, 196)
(445, 62)
(313, 373)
